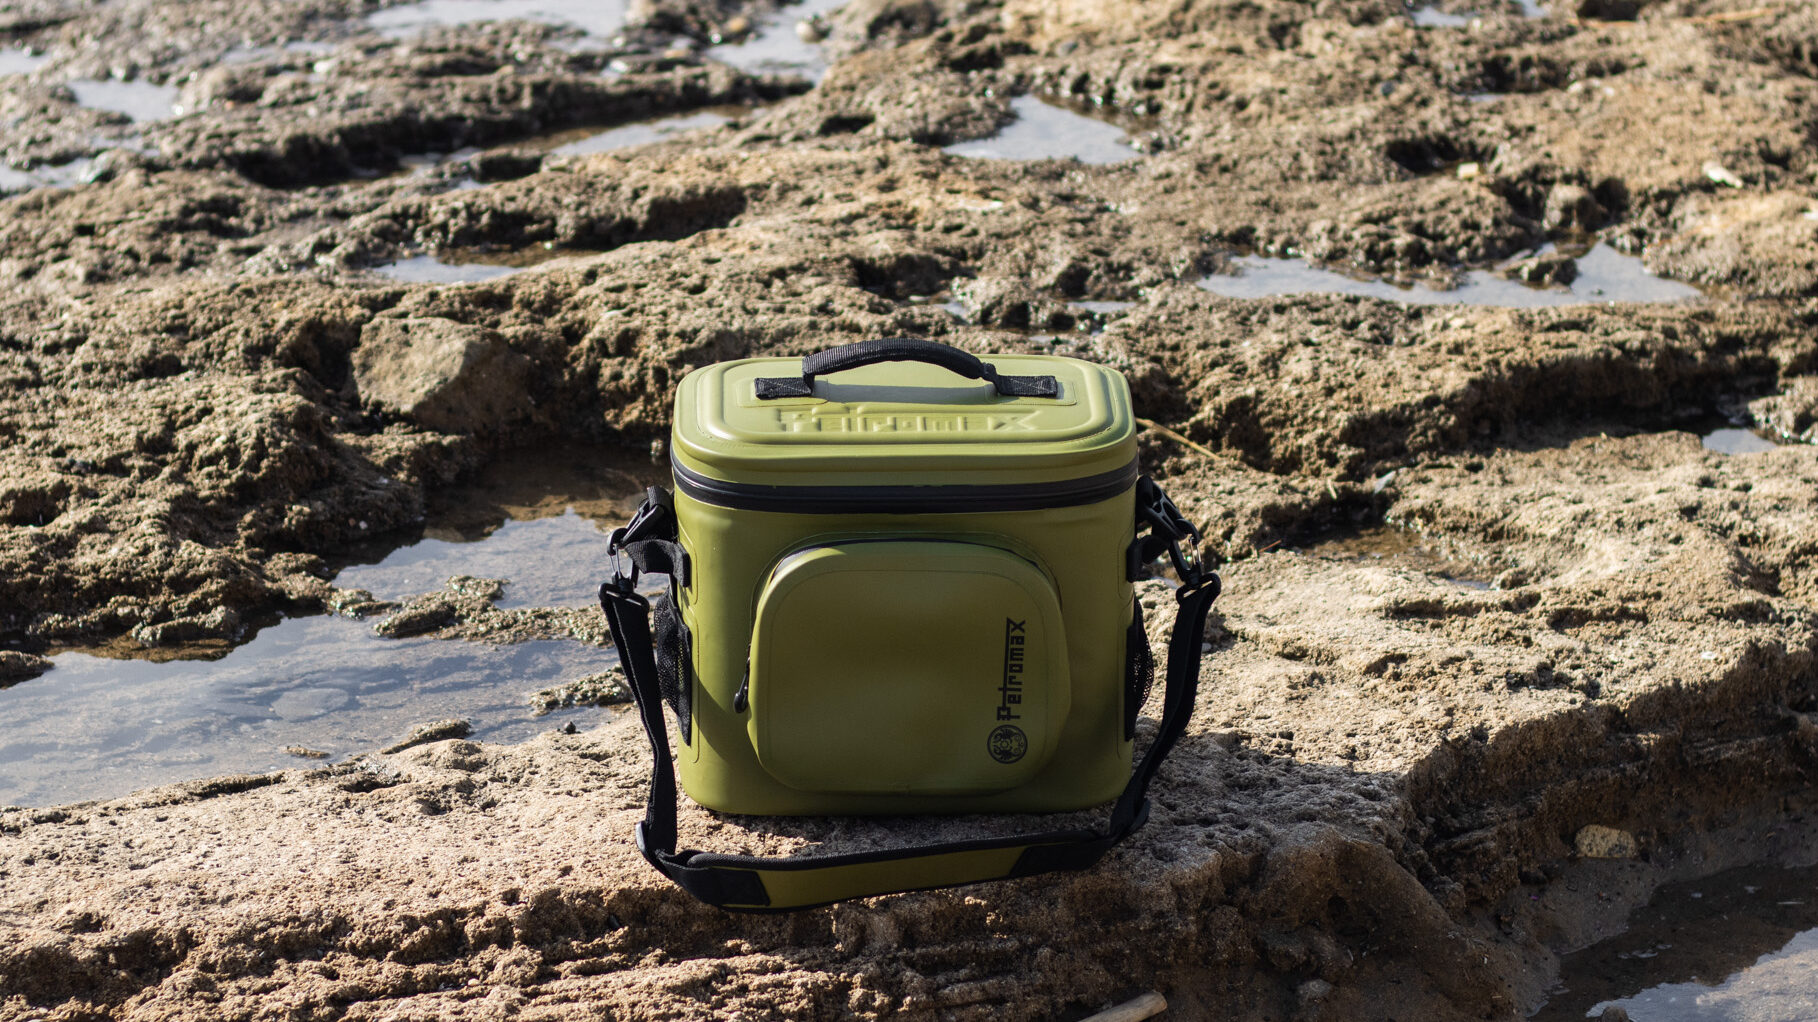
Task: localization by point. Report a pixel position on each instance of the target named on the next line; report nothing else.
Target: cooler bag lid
(903, 413)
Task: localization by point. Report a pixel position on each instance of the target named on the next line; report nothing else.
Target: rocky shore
(1505, 644)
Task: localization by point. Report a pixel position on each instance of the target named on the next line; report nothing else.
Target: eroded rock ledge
(206, 397)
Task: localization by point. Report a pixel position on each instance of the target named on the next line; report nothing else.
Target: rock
(441, 374)
(1759, 243)
(438, 731)
(1719, 174)
(424, 614)
(505, 165)
(811, 30)
(1015, 305)
(16, 666)
(1792, 413)
(606, 688)
(222, 623)
(36, 499)
(1613, 1013)
(1312, 992)
(1596, 841)
(1551, 268)
(1572, 208)
(356, 603)
(1609, 10)
(735, 29)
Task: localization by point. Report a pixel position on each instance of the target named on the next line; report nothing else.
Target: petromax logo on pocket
(1007, 743)
(1010, 693)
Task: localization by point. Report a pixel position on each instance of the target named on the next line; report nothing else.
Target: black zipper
(904, 500)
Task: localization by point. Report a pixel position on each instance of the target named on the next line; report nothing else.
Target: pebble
(811, 30)
(1721, 175)
(1596, 841)
(16, 666)
(437, 731)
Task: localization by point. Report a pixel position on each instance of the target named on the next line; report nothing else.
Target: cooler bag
(899, 581)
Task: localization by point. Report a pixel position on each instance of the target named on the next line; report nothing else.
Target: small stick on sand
(1177, 438)
(1726, 16)
(1148, 1005)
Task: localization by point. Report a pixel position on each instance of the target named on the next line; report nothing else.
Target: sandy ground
(206, 394)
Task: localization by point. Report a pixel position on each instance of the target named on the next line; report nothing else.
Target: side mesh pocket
(674, 659)
(1139, 669)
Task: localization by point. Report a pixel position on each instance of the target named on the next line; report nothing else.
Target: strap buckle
(1169, 528)
(648, 519)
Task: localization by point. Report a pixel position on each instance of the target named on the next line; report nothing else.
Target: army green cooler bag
(899, 581)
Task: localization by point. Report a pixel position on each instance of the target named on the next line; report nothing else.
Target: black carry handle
(902, 349)
(751, 884)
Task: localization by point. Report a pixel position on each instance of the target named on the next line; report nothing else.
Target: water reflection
(62, 175)
(551, 562)
(1741, 945)
(433, 269)
(638, 133)
(139, 100)
(1433, 17)
(599, 18)
(1604, 275)
(1043, 131)
(781, 44)
(99, 727)
(1736, 440)
(16, 61)
(95, 727)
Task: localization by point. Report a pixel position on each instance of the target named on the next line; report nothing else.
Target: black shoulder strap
(753, 884)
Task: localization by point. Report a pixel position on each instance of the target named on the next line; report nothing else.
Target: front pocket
(907, 666)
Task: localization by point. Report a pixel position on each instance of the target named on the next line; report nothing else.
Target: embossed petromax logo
(1007, 743)
(817, 420)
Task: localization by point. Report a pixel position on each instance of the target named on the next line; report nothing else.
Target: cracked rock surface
(1485, 586)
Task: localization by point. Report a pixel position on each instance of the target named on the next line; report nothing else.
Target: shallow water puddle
(16, 61)
(465, 266)
(787, 42)
(62, 175)
(1103, 308)
(565, 556)
(141, 101)
(1390, 546)
(580, 142)
(1043, 131)
(537, 518)
(1739, 945)
(96, 727)
(599, 18)
(639, 133)
(99, 728)
(430, 269)
(1737, 440)
(1433, 17)
(419, 164)
(1604, 275)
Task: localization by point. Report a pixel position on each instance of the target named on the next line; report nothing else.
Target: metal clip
(1170, 528)
(624, 566)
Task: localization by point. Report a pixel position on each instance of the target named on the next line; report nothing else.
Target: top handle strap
(902, 349)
